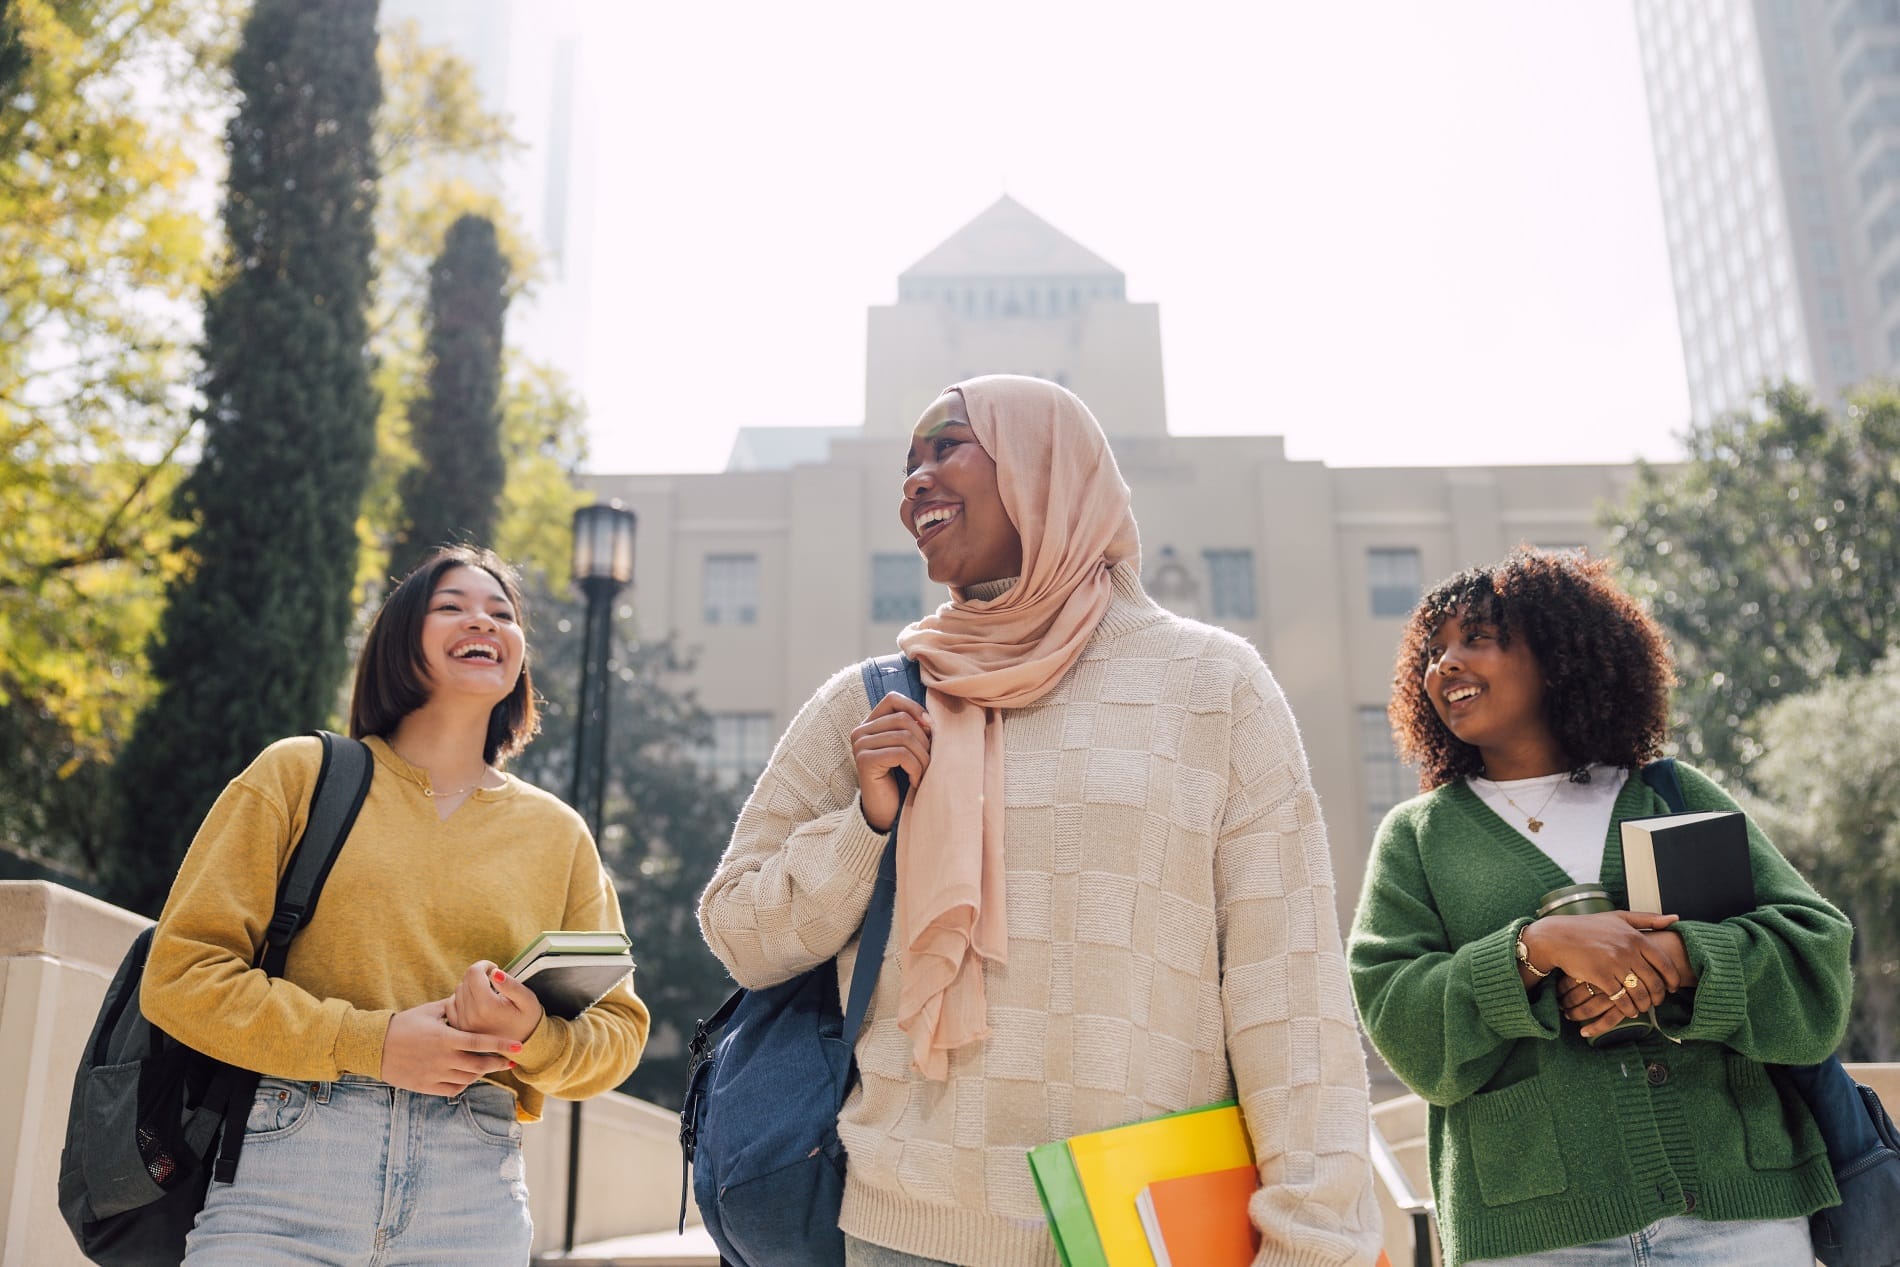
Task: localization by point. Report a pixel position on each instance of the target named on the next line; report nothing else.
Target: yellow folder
(1115, 1165)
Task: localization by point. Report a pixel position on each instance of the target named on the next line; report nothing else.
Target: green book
(561, 941)
(1070, 1222)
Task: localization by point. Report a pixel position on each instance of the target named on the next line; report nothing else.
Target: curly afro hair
(1606, 667)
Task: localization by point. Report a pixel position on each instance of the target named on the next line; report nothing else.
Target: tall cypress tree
(252, 643)
(452, 493)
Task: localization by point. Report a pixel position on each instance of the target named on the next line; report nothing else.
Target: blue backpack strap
(1662, 779)
(882, 675)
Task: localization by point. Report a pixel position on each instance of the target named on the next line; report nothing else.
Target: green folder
(1070, 1223)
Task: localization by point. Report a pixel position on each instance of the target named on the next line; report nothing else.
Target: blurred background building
(792, 564)
(1776, 127)
(529, 66)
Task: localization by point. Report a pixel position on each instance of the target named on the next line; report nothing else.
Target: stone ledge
(41, 918)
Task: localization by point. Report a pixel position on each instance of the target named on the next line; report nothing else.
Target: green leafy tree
(452, 492)
(665, 821)
(105, 110)
(253, 637)
(1772, 557)
(1829, 777)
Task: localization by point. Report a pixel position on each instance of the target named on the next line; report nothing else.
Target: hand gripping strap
(882, 675)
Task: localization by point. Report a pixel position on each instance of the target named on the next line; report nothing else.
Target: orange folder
(1201, 1220)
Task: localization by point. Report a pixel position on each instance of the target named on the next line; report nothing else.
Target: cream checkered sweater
(1172, 942)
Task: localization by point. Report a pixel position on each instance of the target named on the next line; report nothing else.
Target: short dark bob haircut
(392, 679)
(1606, 666)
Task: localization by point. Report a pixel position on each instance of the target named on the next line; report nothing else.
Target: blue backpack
(1863, 1148)
(759, 1125)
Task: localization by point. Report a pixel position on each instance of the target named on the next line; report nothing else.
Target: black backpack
(148, 1112)
(759, 1127)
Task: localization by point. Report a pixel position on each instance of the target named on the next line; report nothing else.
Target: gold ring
(1588, 988)
(1631, 981)
(1614, 997)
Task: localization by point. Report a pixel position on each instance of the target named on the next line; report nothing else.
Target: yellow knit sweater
(412, 901)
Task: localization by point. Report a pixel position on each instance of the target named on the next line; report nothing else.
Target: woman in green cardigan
(1530, 694)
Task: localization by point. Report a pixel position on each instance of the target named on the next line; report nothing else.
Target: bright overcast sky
(1393, 233)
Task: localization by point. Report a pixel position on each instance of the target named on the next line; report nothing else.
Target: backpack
(1863, 1148)
(759, 1124)
(148, 1112)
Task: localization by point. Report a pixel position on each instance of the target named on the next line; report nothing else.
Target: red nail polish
(499, 975)
(514, 1046)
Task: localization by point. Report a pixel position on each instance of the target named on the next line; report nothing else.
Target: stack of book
(571, 971)
(1168, 1192)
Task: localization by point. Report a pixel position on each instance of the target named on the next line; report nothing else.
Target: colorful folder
(1089, 1183)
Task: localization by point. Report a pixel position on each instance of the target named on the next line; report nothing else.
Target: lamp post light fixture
(603, 565)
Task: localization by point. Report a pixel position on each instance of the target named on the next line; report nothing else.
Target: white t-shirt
(1574, 818)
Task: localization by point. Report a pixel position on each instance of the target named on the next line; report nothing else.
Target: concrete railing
(58, 951)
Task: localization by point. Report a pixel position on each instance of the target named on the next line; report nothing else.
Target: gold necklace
(1535, 823)
(428, 790)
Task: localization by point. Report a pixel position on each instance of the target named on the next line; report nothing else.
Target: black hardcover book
(1694, 866)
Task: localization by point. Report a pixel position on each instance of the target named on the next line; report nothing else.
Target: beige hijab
(1062, 491)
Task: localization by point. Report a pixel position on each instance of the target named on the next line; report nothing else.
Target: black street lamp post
(603, 565)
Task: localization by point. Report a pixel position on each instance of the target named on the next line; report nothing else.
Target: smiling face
(951, 505)
(1491, 696)
(471, 636)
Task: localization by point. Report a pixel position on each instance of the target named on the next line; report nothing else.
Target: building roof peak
(1007, 239)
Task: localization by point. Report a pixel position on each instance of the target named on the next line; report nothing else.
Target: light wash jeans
(355, 1173)
(1685, 1241)
(859, 1253)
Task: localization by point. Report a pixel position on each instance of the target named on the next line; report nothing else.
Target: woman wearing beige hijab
(1114, 893)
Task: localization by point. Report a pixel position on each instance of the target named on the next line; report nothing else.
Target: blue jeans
(355, 1173)
(1686, 1241)
(859, 1253)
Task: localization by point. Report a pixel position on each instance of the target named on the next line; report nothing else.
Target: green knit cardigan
(1538, 1140)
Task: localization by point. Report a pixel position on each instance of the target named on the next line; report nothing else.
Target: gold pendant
(1537, 824)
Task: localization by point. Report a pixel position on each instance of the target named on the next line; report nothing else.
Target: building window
(1841, 360)
(897, 582)
(1388, 780)
(731, 589)
(1230, 584)
(1395, 577)
(741, 743)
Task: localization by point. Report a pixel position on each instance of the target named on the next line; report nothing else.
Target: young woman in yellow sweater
(398, 1060)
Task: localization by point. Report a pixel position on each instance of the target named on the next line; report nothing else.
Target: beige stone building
(791, 563)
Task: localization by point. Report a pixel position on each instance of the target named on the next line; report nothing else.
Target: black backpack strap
(343, 781)
(882, 675)
(1663, 780)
